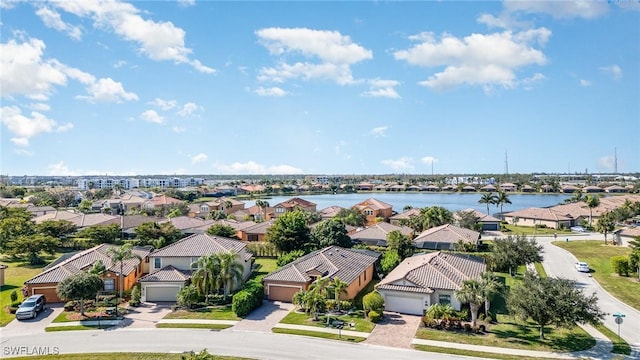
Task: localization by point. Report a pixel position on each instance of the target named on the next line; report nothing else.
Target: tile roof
(197, 245)
(377, 234)
(482, 217)
(80, 220)
(373, 204)
(332, 261)
(330, 211)
(84, 260)
(296, 201)
(407, 214)
(167, 274)
(132, 221)
(541, 214)
(185, 222)
(447, 233)
(258, 228)
(429, 272)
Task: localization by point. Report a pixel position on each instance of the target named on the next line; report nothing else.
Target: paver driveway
(265, 317)
(395, 330)
(146, 315)
(34, 326)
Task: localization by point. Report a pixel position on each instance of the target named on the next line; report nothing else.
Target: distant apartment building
(132, 183)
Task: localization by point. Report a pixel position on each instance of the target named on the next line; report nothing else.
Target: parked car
(577, 229)
(582, 266)
(30, 308)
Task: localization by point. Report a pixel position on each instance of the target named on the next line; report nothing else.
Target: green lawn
(619, 345)
(14, 277)
(473, 353)
(318, 334)
(195, 326)
(73, 328)
(598, 255)
(300, 318)
(209, 313)
(510, 334)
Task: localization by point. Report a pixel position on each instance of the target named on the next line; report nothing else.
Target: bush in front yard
(374, 316)
(373, 301)
(247, 299)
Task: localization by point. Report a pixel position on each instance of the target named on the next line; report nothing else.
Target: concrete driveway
(395, 330)
(33, 326)
(265, 317)
(146, 315)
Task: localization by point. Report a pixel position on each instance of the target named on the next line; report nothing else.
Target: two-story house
(373, 209)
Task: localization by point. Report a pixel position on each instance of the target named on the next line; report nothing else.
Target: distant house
(528, 188)
(161, 201)
(330, 212)
(488, 188)
(615, 189)
(131, 222)
(191, 225)
(508, 187)
(488, 222)
(40, 210)
(377, 234)
(355, 267)
(540, 216)
(624, 235)
(172, 266)
(80, 220)
(592, 189)
(226, 205)
(445, 237)
(423, 280)
(373, 209)
(570, 189)
(405, 216)
(45, 283)
(294, 204)
(255, 232)
(364, 186)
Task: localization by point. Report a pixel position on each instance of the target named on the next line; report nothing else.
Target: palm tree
(339, 287)
(231, 271)
(592, 202)
(489, 199)
(502, 199)
(490, 288)
(605, 225)
(121, 254)
(471, 292)
(263, 205)
(207, 278)
(320, 286)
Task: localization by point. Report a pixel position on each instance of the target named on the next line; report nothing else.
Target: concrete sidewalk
(322, 330)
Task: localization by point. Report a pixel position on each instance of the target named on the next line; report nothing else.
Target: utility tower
(506, 163)
(615, 160)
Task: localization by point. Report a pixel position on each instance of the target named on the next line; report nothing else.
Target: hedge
(248, 299)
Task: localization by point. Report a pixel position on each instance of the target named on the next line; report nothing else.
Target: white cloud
(467, 61)
(23, 152)
(52, 19)
(528, 83)
(334, 53)
(559, 9)
(179, 129)
(40, 106)
(159, 41)
(24, 127)
(152, 116)
(402, 164)
(186, 3)
(163, 104)
(24, 72)
(188, 109)
(379, 131)
(61, 169)
(614, 70)
(272, 91)
(253, 168)
(107, 90)
(120, 63)
(199, 158)
(429, 160)
(585, 83)
(607, 163)
(382, 88)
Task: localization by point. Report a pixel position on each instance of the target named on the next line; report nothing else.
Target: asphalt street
(560, 263)
(255, 345)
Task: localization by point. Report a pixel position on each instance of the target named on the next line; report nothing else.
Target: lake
(450, 201)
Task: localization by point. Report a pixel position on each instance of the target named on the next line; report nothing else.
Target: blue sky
(212, 87)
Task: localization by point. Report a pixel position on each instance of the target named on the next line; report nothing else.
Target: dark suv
(30, 308)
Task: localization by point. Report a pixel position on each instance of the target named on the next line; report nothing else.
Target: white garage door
(404, 305)
(162, 293)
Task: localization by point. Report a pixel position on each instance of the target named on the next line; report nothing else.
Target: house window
(368, 212)
(109, 284)
(279, 210)
(252, 237)
(444, 299)
(157, 263)
(194, 263)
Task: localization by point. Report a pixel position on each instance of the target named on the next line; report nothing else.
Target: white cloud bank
(253, 168)
(24, 127)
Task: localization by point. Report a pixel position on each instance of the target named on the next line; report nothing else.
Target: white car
(582, 266)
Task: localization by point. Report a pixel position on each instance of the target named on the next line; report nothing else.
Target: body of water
(450, 201)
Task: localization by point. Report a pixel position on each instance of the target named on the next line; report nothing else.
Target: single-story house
(354, 267)
(540, 216)
(45, 283)
(330, 212)
(423, 280)
(488, 222)
(255, 232)
(377, 234)
(404, 216)
(170, 267)
(445, 237)
(624, 235)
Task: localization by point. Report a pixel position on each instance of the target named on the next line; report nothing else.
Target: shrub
(289, 257)
(202, 355)
(136, 295)
(216, 299)
(373, 301)
(467, 328)
(69, 306)
(374, 316)
(331, 304)
(188, 296)
(620, 264)
(14, 296)
(247, 299)
(345, 304)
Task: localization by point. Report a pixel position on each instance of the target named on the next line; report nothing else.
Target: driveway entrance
(146, 315)
(265, 317)
(395, 330)
(33, 326)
